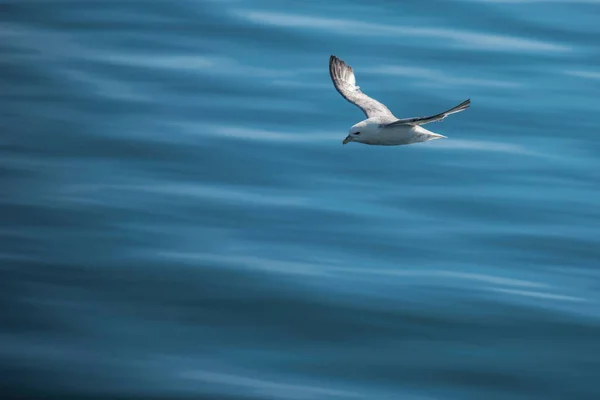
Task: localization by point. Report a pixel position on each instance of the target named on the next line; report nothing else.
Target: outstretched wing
(344, 81)
(438, 117)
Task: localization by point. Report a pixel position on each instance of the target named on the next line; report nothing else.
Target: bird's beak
(348, 139)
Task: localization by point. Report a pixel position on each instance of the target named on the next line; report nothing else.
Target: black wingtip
(339, 64)
(333, 59)
(336, 59)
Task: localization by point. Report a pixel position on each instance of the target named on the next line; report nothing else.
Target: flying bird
(381, 126)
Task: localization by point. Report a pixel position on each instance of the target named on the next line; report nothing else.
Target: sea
(180, 218)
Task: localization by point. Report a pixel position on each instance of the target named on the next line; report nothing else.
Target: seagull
(381, 126)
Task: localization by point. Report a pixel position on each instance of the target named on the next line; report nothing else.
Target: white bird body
(381, 126)
(372, 132)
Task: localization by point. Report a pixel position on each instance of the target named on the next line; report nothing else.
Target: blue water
(180, 218)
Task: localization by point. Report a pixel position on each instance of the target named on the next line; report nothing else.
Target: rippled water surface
(181, 219)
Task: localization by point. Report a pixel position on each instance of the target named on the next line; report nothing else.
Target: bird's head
(361, 132)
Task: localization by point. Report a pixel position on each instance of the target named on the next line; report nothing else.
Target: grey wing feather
(438, 117)
(344, 81)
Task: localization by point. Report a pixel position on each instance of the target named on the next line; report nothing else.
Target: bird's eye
(357, 133)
